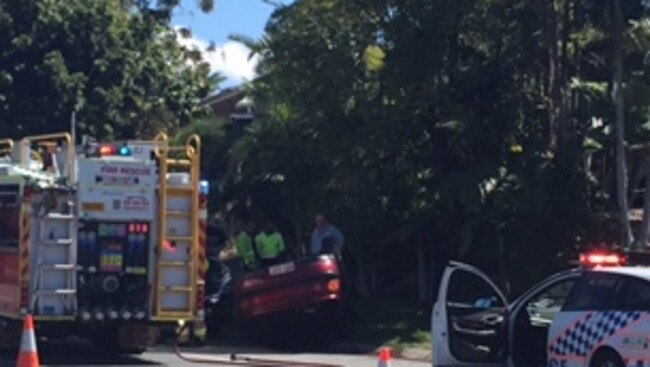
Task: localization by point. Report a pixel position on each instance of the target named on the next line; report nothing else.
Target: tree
(476, 129)
(617, 96)
(117, 62)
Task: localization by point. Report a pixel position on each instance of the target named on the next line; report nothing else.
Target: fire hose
(239, 360)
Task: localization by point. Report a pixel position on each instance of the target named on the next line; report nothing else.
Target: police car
(597, 316)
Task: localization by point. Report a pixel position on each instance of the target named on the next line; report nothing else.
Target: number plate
(282, 268)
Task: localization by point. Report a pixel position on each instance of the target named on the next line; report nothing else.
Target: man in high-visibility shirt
(270, 245)
(244, 245)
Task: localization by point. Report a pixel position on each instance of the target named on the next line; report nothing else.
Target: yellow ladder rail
(161, 151)
(193, 145)
(186, 158)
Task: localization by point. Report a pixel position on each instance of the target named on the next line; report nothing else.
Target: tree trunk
(361, 278)
(374, 277)
(565, 127)
(433, 280)
(560, 16)
(422, 270)
(617, 95)
(645, 226)
(554, 74)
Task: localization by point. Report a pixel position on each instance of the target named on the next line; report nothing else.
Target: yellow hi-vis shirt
(269, 246)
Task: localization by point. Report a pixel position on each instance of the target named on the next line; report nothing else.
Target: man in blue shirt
(326, 238)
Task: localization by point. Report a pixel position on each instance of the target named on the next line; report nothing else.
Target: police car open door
(469, 321)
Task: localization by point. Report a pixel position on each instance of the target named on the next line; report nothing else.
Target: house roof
(224, 95)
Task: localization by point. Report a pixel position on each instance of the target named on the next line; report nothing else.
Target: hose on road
(239, 360)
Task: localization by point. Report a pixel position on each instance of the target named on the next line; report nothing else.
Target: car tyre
(607, 358)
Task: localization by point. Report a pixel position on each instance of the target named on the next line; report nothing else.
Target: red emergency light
(169, 246)
(107, 149)
(600, 258)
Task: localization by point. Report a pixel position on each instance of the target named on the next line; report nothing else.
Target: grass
(396, 323)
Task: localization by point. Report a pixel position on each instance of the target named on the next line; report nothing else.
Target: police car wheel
(607, 358)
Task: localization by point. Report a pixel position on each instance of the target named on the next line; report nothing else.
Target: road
(79, 355)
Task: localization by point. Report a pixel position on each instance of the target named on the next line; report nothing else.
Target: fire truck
(104, 241)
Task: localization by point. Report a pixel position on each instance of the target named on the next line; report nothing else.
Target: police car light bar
(600, 258)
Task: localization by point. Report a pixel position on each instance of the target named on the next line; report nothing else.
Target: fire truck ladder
(177, 248)
(55, 283)
(56, 277)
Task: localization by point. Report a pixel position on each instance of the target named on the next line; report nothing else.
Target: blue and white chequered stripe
(581, 338)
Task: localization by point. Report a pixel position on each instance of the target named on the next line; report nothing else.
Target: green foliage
(466, 128)
(117, 62)
(216, 139)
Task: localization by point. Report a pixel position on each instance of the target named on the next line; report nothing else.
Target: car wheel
(607, 358)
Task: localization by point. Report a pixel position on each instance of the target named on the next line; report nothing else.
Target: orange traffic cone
(384, 357)
(28, 356)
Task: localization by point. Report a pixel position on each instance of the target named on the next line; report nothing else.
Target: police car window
(637, 295)
(469, 290)
(593, 292)
(543, 306)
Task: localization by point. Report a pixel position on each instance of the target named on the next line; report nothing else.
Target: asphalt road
(81, 355)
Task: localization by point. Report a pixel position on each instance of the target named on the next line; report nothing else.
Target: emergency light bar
(110, 150)
(601, 258)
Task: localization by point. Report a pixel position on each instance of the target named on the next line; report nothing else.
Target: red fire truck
(104, 241)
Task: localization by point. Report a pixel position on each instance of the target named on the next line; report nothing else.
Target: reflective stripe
(28, 341)
(25, 237)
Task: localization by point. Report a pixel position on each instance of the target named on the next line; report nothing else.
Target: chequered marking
(580, 339)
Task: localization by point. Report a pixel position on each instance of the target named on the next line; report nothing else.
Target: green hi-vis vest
(244, 244)
(269, 246)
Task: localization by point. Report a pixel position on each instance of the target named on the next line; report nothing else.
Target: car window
(594, 292)
(469, 290)
(637, 295)
(543, 306)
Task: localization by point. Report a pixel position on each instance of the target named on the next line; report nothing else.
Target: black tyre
(607, 358)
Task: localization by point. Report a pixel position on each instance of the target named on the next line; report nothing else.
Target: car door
(531, 316)
(469, 323)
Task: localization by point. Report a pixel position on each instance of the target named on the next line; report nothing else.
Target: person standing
(270, 245)
(326, 238)
(244, 245)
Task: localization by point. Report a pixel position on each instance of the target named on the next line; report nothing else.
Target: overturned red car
(310, 290)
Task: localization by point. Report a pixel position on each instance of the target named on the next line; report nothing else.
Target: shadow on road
(282, 343)
(75, 353)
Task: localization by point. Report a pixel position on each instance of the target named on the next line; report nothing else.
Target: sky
(231, 59)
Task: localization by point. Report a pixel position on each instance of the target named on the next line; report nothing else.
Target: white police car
(591, 317)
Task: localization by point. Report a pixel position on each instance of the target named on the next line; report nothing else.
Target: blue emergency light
(204, 187)
(124, 151)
